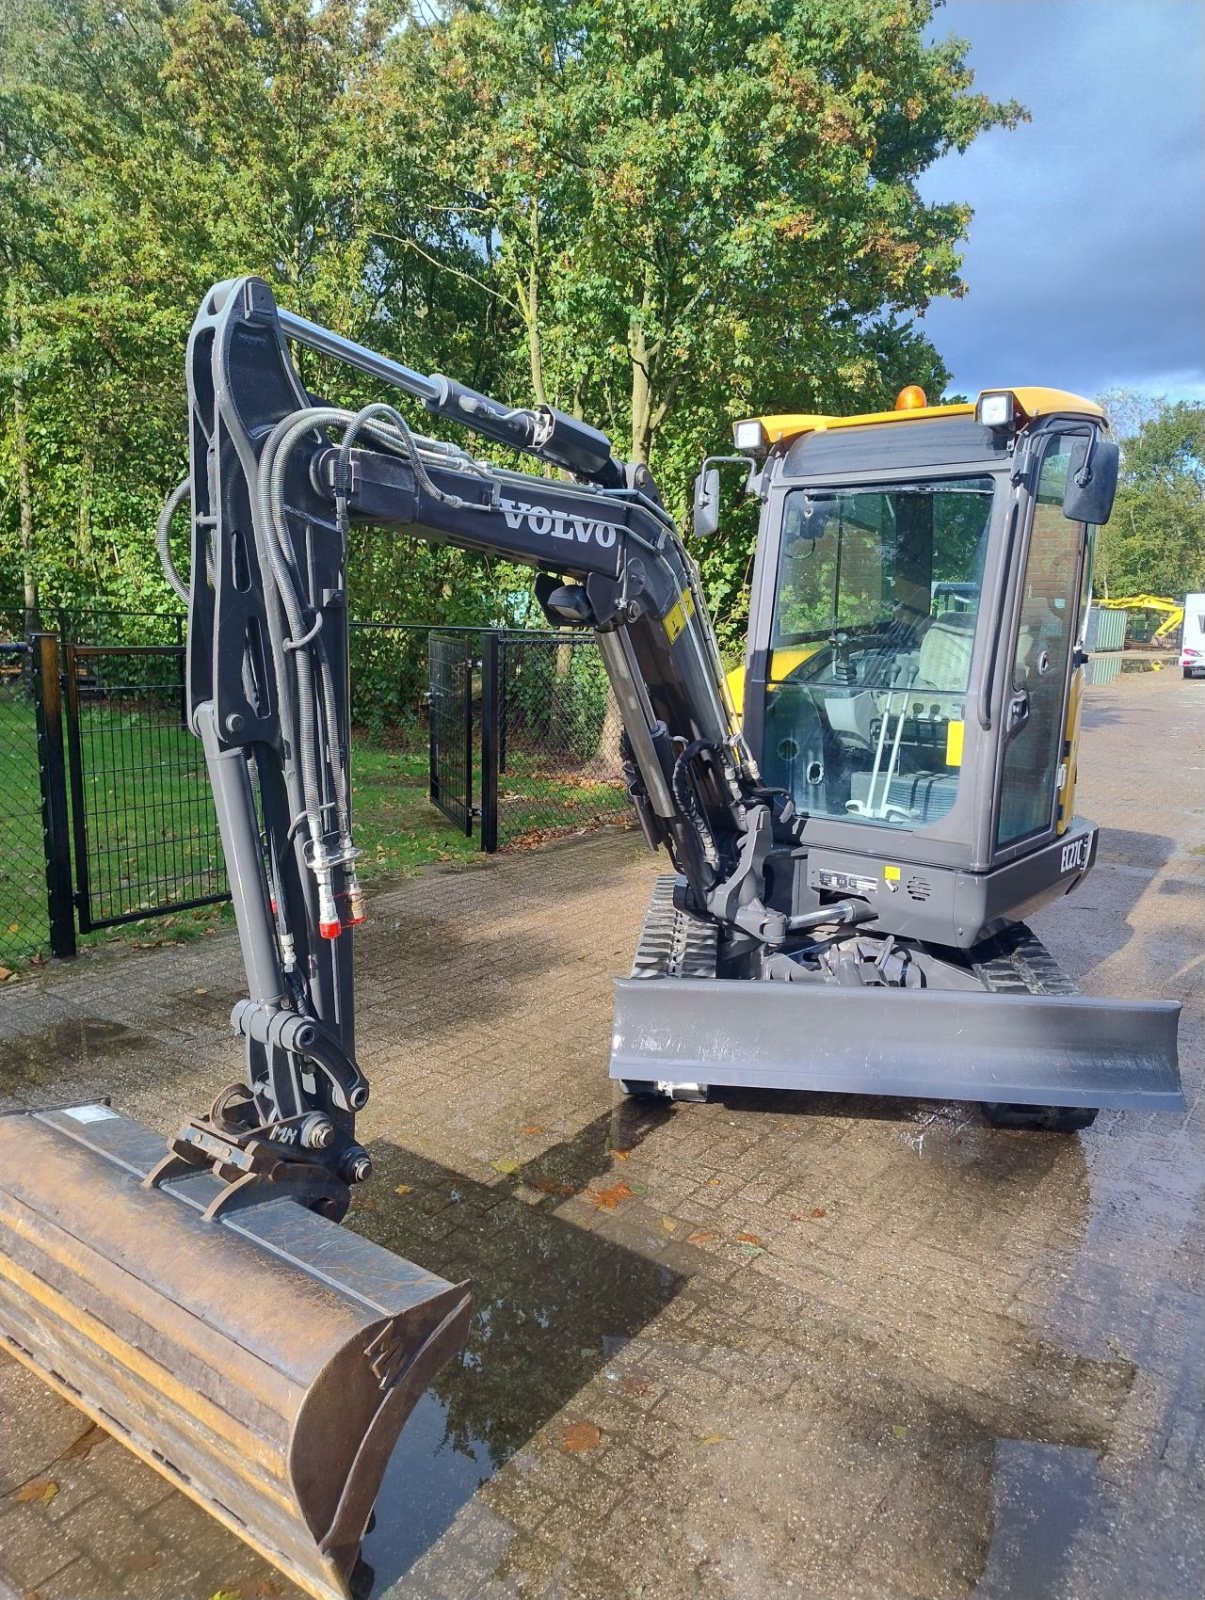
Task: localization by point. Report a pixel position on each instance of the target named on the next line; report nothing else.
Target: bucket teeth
(264, 1364)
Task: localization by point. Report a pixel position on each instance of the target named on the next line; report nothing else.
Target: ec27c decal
(1075, 854)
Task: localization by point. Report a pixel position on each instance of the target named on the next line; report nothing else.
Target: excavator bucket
(264, 1363)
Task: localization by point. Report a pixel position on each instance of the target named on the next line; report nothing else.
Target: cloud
(1086, 261)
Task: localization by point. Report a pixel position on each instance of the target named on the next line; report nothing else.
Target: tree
(698, 209)
(1154, 543)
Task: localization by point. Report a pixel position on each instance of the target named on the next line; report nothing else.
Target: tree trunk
(529, 301)
(641, 390)
(29, 582)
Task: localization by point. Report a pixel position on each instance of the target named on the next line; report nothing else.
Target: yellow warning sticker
(679, 614)
(954, 731)
(891, 874)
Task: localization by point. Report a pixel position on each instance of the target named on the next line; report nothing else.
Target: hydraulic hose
(163, 529)
(686, 801)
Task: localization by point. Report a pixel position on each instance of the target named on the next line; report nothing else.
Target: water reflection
(552, 1303)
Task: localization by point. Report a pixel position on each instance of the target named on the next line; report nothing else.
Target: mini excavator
(852, 860)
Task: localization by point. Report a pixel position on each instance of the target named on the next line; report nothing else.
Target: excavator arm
(277, 479)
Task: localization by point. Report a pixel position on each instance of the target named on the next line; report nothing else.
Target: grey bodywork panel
(927, 1043)
(940, 904)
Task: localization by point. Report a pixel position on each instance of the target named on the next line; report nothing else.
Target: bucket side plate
(264, 1365)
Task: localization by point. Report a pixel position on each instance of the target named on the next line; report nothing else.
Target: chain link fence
(558, 742)
(24, 919)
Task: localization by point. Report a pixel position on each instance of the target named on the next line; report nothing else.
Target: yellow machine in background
(1149, 602)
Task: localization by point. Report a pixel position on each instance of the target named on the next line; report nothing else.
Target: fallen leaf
(713, 1438)
(611, 1198)
(38, 1491)
(638, 1188)
(702, 1236)
(818, 1211)
(403, 1188)
(621, 1155)
(712, 1182)
(752, 1250)
(668, 1225)
(363, 1205)
(580, 1436)
(899, 1430)
(506, 1166)
(85, 1444)
(200, 991)
(5, 972)
(551, 1186)
(264, 1589)
(630, 1385)
(227, 1594)
(531, 1129)
(750, 1238)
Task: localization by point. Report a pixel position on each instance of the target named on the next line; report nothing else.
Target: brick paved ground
(810, 1347)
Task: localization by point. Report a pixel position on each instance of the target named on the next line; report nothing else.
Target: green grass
(151, 831)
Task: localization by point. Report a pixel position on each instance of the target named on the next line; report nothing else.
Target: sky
(1085, 265)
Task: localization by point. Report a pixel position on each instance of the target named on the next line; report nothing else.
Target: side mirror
(1096, 461)
(707, 503)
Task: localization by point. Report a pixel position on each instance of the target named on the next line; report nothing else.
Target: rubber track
(673, 945)
(1017, 962)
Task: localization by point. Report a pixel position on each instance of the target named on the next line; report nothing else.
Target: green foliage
(1154, 543)
(662, 215)
(556, 700)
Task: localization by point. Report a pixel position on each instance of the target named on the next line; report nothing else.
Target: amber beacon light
(911, 398)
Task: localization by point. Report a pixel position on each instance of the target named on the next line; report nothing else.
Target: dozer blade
(264, 1363)
(932, 1044)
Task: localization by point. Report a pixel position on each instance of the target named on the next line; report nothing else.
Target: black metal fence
(553, 763)
(24, 925)
(145, 834)
(454, 706)
(105, 810)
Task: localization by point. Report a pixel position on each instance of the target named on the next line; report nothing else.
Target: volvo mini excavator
(851, 863)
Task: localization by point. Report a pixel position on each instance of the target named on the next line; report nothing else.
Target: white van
(1192, 639)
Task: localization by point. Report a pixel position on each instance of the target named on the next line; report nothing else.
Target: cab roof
(1032, 401)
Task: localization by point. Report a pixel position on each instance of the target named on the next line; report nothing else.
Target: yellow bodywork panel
(954, 736)
(1075, 702)
(782, 663)
(1033, 400)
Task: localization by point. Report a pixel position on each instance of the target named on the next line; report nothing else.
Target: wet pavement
(773, 1346)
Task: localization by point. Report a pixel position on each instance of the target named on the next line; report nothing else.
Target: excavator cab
(918, 602)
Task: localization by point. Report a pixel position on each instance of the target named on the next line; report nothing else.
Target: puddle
(35, 1060)
(1041, 1497)
(552, 1304)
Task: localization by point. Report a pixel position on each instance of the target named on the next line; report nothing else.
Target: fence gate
(144, 830)
(451, 659)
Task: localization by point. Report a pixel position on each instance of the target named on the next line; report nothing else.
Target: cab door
(1032, 768)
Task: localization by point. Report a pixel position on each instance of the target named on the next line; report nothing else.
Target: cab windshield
(874, 626)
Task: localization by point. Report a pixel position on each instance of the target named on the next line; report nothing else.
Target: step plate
(264, 1364)
(932, 1044)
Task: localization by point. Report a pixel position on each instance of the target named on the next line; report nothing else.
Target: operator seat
(945, 652)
